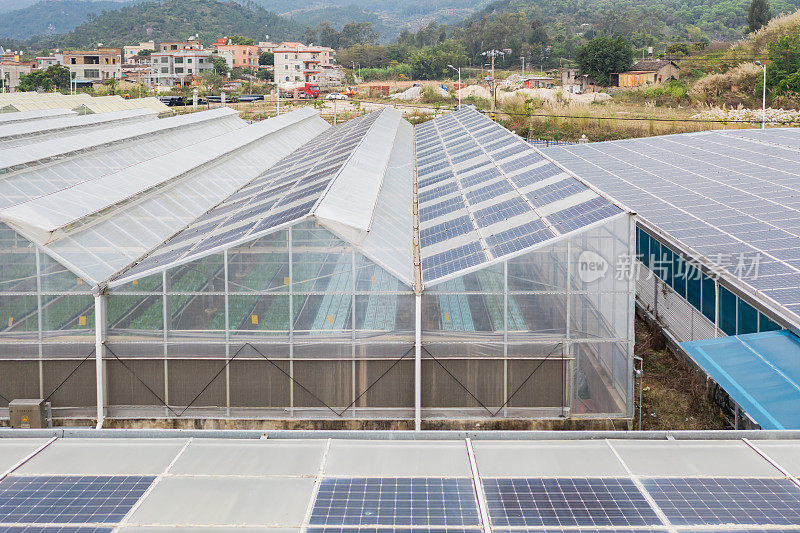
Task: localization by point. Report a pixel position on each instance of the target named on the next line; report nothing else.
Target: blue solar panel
(567, 502)
(438, 192)
(55, 529)
(69, 499)
(555, 191)
(492, 190)
(429, 212)
(446, 230)
(581, 215)
(502, 211)
(534, 175)
(395, 502)
(721, 501)
(392, 530)
(453, 260)
(518, 238)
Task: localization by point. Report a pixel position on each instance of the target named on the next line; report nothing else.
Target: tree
(678, 49)
(111, 83)
(266, 58)
(603, 55)
(758, 14)
(783, 71)
(264, 74)
(55, 77)
(220, 65)
(146, 52)
(238, 39)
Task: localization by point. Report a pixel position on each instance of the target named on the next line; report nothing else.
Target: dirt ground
(674, 393)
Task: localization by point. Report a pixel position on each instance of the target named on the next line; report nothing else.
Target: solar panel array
(286, 192)
(731, 197)
(554, 504)
(484, 193)
(60, 500)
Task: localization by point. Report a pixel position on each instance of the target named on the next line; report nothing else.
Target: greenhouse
(290, 269)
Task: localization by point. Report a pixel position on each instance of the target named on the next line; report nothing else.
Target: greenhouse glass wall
(370, 270)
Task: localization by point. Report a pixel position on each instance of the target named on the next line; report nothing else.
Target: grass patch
(674, 394)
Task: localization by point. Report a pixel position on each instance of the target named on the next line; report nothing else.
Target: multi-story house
(94, 66)
(128, 52)
(242, 55)
(299, 62)
(43, 62)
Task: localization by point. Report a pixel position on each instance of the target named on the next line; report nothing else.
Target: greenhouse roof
(37, 101)
(24, 116)
(124, 210)
(394, 484)
(12, 135)
(104, 104)
(99, 227)
(485, 194)
(21, 159)
(338, 182)
(726, 198)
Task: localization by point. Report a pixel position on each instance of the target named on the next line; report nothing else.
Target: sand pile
(412, 93)
(477, 91)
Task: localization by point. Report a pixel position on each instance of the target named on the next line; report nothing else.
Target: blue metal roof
(760, 371)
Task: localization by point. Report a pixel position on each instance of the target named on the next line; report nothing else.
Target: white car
(336, 96)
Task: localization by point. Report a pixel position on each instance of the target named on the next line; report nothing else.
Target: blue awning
(760, 371)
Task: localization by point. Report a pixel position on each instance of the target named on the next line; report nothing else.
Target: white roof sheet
(105, 104)
(40, 150)
(182, 185)
(18, 134)
(24, 116)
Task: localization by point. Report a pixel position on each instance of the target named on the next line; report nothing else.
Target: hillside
(51, 17)
(647, 21)
(164, 20)
(388, 17)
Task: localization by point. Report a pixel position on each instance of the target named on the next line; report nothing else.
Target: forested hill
(51, 17)
(166, 20)
(661, 20)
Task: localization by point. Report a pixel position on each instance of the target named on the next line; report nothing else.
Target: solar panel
(490, 189)
(395, 502)
(581, 215)
(391, 530)
(453, 260)
(720, 501)
(55, 529)
(564, 502)
(69, 499)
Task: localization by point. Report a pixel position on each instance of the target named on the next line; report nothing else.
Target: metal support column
(227, 339)
(418, 362)
(633, 276)
(99, 349)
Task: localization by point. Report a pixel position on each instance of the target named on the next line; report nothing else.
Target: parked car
(336, 96)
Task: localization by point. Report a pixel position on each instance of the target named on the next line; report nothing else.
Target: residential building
(299, 62)
(43, 62)
(10, 73)
(94, 66)
(647, 72)
(575, 82)
(174, 46)
(128, 52)
(538, 82)
(179, 66)
(665, 70)
(9, 55)
(243, 55)
(267, 46)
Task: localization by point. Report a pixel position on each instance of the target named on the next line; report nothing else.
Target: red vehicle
(300, 90)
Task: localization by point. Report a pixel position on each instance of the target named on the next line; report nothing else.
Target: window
(164, 59)
(91, 73)
(178, 70)
(765, 324)
(727, 311)
(164, 70)
(178, 60)
(709, 298)
(747, 321)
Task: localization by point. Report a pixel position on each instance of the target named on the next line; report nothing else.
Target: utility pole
(523, 65)
(492, 83)
(459, 83)
(763, 95)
